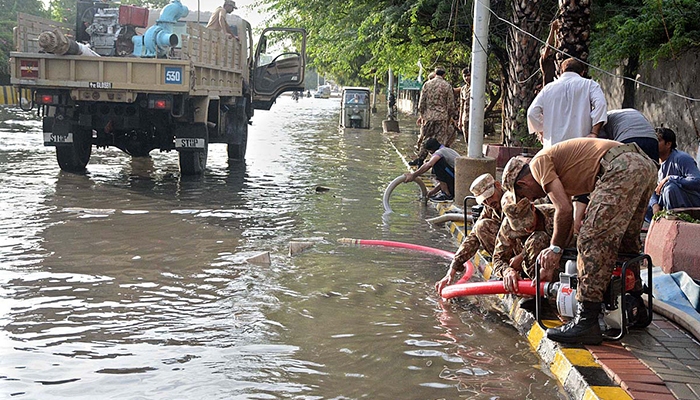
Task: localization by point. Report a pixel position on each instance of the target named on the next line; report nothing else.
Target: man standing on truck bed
(218, 21)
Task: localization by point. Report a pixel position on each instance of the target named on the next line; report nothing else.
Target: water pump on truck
(109, 29)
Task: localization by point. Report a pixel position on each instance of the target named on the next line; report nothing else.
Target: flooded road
(131, 283)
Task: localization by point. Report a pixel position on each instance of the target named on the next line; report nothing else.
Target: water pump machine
(620, 309)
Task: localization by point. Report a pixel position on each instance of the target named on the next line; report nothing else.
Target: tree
(63, 11)
(629, 32)
(627, 28)
(523, 67)
(575, 33)
(349, 39)
(8, 20)
(152, 4)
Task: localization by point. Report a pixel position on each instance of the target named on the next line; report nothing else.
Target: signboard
(409, 84)
(173, 75)
(29, 68)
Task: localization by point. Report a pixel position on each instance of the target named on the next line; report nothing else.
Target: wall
(660, 108)
(408, 101)
(11, 96)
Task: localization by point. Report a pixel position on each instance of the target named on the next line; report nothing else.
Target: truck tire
(236, 152)
(194, 162)
(237, 133)
(74, 157)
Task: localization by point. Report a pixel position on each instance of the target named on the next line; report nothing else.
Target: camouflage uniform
(436, 106)
(463, 121)
(514, 238)
(614, 216)
(613, 221)
(483, 234)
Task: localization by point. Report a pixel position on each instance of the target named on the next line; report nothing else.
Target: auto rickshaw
(355, 108)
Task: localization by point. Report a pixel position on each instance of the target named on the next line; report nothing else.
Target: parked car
(323, 92)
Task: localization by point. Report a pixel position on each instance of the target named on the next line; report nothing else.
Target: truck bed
(209, 64)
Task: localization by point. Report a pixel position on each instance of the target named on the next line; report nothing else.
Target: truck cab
(194, 88)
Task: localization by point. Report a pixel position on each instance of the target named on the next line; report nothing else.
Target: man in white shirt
(567, 108)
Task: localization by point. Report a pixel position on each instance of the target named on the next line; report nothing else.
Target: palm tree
(523, 64)
(575, 33)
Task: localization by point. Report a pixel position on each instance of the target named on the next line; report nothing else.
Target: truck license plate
(100, 85)
(52, 139)
(189, 143)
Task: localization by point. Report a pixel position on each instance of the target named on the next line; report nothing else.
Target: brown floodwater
(129, 282)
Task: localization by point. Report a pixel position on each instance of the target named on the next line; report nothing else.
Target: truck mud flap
(57, 132)
(191, 137)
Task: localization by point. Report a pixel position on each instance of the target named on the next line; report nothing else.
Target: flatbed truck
(204, 92)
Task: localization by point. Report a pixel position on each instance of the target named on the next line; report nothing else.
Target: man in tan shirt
(218, 21)
(620, 179)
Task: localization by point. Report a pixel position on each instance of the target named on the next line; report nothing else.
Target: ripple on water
(131, 280)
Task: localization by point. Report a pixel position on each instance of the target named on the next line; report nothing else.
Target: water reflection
(132, 281)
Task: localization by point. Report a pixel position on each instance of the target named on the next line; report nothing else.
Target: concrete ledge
(466, 170)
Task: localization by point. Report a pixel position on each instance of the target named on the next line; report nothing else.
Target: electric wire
(588, 64)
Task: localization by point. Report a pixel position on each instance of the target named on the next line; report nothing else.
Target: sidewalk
(658, 363)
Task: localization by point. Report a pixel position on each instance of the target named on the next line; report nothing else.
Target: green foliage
(63, 11)
(152, 4)
(672, 215)
(8, 20)
(351, 39)
(625, 28)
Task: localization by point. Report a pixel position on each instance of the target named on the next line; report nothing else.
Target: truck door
(279, 65)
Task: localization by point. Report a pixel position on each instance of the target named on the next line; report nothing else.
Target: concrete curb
(582, 377)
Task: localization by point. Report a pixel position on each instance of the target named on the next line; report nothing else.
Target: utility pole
(374, 94)
(475, 164)
(477, 98)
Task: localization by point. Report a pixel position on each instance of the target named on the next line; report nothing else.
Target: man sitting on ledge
(620, 179)
(679, 177)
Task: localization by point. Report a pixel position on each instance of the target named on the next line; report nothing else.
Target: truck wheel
(237, 132)
(194, 162)
(74, 157)
(236, 152)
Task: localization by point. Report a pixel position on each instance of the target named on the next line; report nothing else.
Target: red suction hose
(468, 266)
(490, 287)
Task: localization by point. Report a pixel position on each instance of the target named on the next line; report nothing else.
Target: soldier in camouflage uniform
(435, 109)
(465, 90)
(525, 231)
(620, 179)
(489, 193)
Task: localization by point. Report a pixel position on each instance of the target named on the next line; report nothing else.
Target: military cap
(521, 215)
(230, 3)
(511, 172)
(483, 187)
